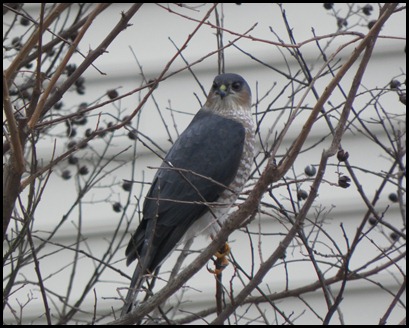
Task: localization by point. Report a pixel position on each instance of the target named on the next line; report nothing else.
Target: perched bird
(199, 180)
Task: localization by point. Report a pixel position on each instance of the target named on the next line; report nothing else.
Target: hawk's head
(229, 92)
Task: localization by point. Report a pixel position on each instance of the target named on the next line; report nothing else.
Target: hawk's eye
(214, 86)
(236, 86)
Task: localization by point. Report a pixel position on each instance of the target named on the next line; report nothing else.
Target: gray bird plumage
(206, 167)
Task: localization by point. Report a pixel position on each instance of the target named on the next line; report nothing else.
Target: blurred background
(92, 200)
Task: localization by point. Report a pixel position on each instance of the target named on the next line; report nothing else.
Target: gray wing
(211, 146)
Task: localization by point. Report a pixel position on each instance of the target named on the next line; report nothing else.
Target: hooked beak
(222, 91)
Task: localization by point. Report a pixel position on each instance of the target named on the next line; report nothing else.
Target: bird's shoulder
(208, 138)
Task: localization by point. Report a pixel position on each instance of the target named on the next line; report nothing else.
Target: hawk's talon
(221, 261)
(223, 251)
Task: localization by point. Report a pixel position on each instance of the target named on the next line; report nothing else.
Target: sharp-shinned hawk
(199, 180)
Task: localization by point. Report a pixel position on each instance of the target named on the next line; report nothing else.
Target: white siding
(364, 303)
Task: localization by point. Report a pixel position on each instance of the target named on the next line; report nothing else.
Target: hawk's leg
(221, 261)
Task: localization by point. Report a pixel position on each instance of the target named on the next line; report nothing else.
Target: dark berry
(72, 160)
(70, 68)
(58, 105)
(132, 135)
(342, 155)
(127, 185)
(394, 84)
(71, 144)
(24, 21)
(367, 9)
(88, 132)
(342, 22)
(402, 98)
(117, 207)
(371, 24)
(83, 170)
(310, 170)
(394, 236)
(302, 194)
(66, 175)
(328, 5)
(393, 197)
(372, 221)
(112, 94)
(80, 82)
(344, 181)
